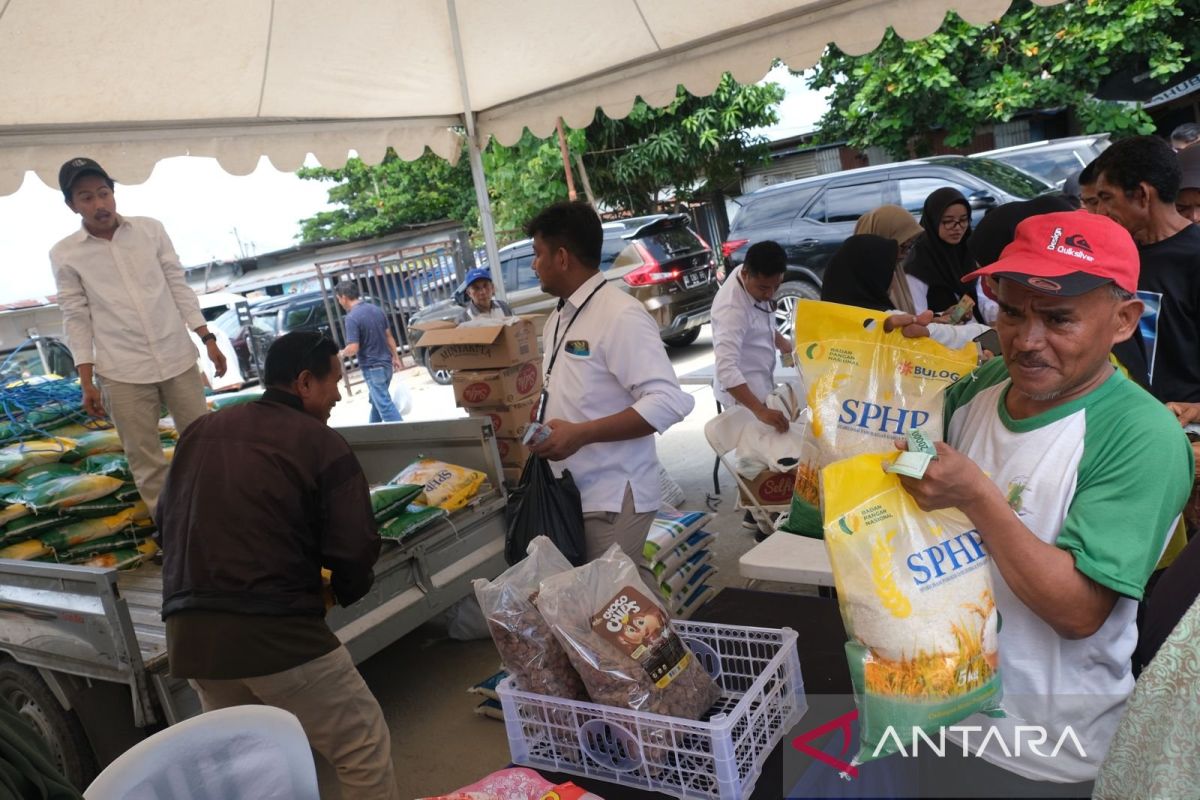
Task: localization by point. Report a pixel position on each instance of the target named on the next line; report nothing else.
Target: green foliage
(1031, 58)
(375, 200)
(694, 144)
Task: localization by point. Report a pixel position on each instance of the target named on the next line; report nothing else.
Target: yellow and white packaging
(865, 389)
(915, 592)
(443, 485)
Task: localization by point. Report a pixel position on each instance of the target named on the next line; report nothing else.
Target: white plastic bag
(401, 396)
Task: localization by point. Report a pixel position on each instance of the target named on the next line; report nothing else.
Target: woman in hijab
(893, 222)
(861, 272)
(940, 257)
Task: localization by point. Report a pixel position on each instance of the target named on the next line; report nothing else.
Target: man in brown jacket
(259, 498)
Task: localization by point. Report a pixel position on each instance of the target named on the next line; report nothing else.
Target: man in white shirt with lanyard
(127, 309)
(609, 384)
(744, 336)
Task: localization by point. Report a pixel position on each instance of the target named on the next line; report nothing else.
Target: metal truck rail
(83, 650)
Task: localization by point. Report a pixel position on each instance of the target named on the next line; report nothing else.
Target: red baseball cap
(1067, 253)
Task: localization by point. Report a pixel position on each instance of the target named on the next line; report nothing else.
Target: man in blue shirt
(369, 337)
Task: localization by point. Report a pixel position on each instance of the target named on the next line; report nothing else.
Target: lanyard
(558, 343)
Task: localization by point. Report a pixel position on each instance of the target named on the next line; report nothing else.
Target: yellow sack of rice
(60, 494)
(87, 530)
(915, 592)
(125, 558)
(443, 485)
(25, 551)
(99, 442)
(866, 388)
(23, 455)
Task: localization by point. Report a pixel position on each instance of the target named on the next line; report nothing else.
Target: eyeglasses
(956, 223)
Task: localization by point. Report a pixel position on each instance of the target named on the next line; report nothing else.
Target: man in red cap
(1073, 476)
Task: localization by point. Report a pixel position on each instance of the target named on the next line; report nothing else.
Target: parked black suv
(658, 259)
(811, 217)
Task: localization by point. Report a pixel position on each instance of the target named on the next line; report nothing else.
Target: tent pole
(476, 158)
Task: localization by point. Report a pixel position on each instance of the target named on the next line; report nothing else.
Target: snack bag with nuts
(866, 388)
(915, 591)
(619, 638)
(527, 647)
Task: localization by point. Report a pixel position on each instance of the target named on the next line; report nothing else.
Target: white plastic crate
(762, 697)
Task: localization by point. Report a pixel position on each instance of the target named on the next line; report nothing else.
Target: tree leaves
(1033, 57)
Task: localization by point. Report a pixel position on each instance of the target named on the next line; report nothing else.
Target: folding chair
(722, 433)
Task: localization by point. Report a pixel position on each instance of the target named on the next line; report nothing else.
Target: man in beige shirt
(127, 310)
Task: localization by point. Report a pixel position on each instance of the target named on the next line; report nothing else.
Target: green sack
(128, 537)
(27, 527)
(235, 399)
(411, 520)
(104, 507)
(129, 492)
(99, 442)
(391, 499)
(10, 492)
(59, 494)
(114, 465)
(44, 472)
(85, 530)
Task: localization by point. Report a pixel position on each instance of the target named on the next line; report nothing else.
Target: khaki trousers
(628, 528)
(340, 716)
(135, 408)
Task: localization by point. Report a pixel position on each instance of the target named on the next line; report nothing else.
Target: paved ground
(438, 743)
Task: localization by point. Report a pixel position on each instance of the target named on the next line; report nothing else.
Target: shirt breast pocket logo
(580, 348)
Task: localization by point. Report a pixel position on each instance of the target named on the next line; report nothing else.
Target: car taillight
(650, 272)
(727, 248)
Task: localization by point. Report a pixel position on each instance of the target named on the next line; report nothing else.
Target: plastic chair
(722, 433)
(238, 753)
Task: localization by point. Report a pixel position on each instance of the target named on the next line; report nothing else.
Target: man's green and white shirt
(1103, 477)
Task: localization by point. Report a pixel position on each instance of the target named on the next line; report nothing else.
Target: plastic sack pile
(677, 551)
(73, 501)
(915, 592)
(865, 389)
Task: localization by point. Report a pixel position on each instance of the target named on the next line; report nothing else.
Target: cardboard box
(771, 488)
(482, 347)
(512, 452)
(512, 476)
(511, 421)
(497, 388)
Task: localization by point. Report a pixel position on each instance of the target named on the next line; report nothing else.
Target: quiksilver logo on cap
(79, 162)
(1075, 246)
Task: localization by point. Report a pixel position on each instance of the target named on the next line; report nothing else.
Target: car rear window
(776, 208)
(671, 243)
(1002, 176)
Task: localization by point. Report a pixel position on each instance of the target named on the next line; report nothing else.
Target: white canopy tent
(129, 82)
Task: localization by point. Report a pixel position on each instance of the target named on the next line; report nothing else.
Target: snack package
(444, 485)
(620, 640)
(915, 592)
(866, 388)
(526, 644)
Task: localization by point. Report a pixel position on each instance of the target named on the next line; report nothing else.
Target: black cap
(72, 169)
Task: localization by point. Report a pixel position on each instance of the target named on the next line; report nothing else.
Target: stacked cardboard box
(497, 373)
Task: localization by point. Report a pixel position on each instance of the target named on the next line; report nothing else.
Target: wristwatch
(208, 337)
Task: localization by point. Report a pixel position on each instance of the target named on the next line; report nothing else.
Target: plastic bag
(60, 494)
(866, 388)
(412, 519)
(542, 505)
(401, 396)
(444, 485)
(391, 499)
(619, 639)
(526, 644)
(915, 592)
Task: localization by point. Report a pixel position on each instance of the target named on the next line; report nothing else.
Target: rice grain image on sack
(915, 592)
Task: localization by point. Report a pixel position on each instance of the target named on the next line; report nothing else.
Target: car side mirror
(982, 199)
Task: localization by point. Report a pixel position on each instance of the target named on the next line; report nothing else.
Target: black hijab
(860, 272)
(942, 266)
(996, 232)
